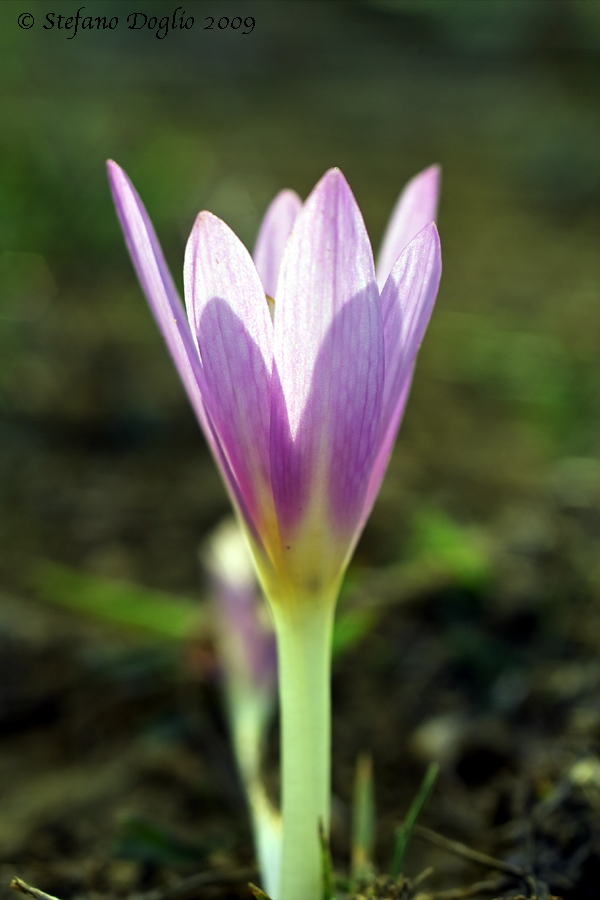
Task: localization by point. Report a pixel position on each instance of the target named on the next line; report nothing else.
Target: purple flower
(300, 409)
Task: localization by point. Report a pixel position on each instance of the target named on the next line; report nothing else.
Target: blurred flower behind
(248, 658)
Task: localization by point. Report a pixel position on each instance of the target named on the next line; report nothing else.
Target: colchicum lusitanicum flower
(300, 398)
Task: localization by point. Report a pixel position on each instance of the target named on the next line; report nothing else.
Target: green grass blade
(256, 892)
(351, 625)
(404, 831)
(326, 864)
(363, 819)
(119, 602)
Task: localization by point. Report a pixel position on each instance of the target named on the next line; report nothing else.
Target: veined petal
(163, 299)
(157, 283)
(234, 333)
(328, 378)
(272, 237)
(414, 209)
(406, 304)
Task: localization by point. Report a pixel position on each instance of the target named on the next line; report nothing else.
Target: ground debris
(17, 884)
(383, 887)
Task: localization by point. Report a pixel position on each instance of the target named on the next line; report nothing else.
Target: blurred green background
(102, 466)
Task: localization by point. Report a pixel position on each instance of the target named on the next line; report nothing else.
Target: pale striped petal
(234, 333)
(415, 208)
(163, 299)
(272, 237)
(328, 372)
(406, 303)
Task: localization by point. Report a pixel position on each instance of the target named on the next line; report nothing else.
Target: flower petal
(230, 319)
(162, 296)
(328, 372)
(406, 304)
(157, 283)
(415, 208)
(272, 237)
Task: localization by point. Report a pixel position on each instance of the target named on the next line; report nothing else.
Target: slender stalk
(304, 651)
(249, 715)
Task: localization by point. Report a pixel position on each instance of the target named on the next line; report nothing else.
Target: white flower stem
(304, 653)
